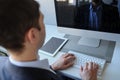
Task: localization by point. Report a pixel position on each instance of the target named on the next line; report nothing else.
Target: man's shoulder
(27, 73)
(2, 63)
(3, 59)
(106, 6)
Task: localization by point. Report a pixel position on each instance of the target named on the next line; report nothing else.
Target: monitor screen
(94, 15)
(89, 25)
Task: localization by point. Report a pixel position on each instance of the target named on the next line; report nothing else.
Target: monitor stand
(91, 42)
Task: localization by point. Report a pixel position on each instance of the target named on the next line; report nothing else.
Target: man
(97, 16)
(22, 33)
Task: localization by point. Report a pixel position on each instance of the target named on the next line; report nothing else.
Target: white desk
(111, 71)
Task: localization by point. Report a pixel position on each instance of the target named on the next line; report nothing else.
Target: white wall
(48, 9)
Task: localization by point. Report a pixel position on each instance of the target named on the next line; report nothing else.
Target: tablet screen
(53, 45)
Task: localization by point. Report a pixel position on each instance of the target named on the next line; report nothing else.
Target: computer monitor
(97, 28)
(75, 17)
(107, 39)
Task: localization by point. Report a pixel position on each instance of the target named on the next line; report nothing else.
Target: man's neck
(24, 57)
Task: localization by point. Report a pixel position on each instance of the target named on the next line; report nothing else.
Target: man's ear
(31, 35)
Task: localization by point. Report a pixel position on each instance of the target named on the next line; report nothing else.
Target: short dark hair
(16, 18)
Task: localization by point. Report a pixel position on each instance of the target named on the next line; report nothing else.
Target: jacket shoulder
(12, 72)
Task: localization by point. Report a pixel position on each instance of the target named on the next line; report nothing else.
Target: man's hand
(65, 61)
(89, 71)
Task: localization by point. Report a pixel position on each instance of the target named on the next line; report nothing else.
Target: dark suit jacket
(9, 71)
(109, 20)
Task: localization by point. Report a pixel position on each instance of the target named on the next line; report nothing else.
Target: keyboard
(81, 59)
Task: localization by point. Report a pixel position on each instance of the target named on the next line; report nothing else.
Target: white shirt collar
(43, 64)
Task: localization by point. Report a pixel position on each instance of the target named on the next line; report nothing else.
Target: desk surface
(111, 71)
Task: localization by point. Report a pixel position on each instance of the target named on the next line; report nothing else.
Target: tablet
(53, 46)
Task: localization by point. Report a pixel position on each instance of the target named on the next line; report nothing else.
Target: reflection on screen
(88, 14)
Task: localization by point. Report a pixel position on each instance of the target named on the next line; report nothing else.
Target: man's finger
(96, 66)
(81, 68)
(90, 66)
(67, 55)
(86, 66)
(70, 58)
(68, 64)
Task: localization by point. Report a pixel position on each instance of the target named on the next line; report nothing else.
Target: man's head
(20, 21)
(96, 2)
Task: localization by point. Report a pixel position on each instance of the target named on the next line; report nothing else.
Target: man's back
(9, 71)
